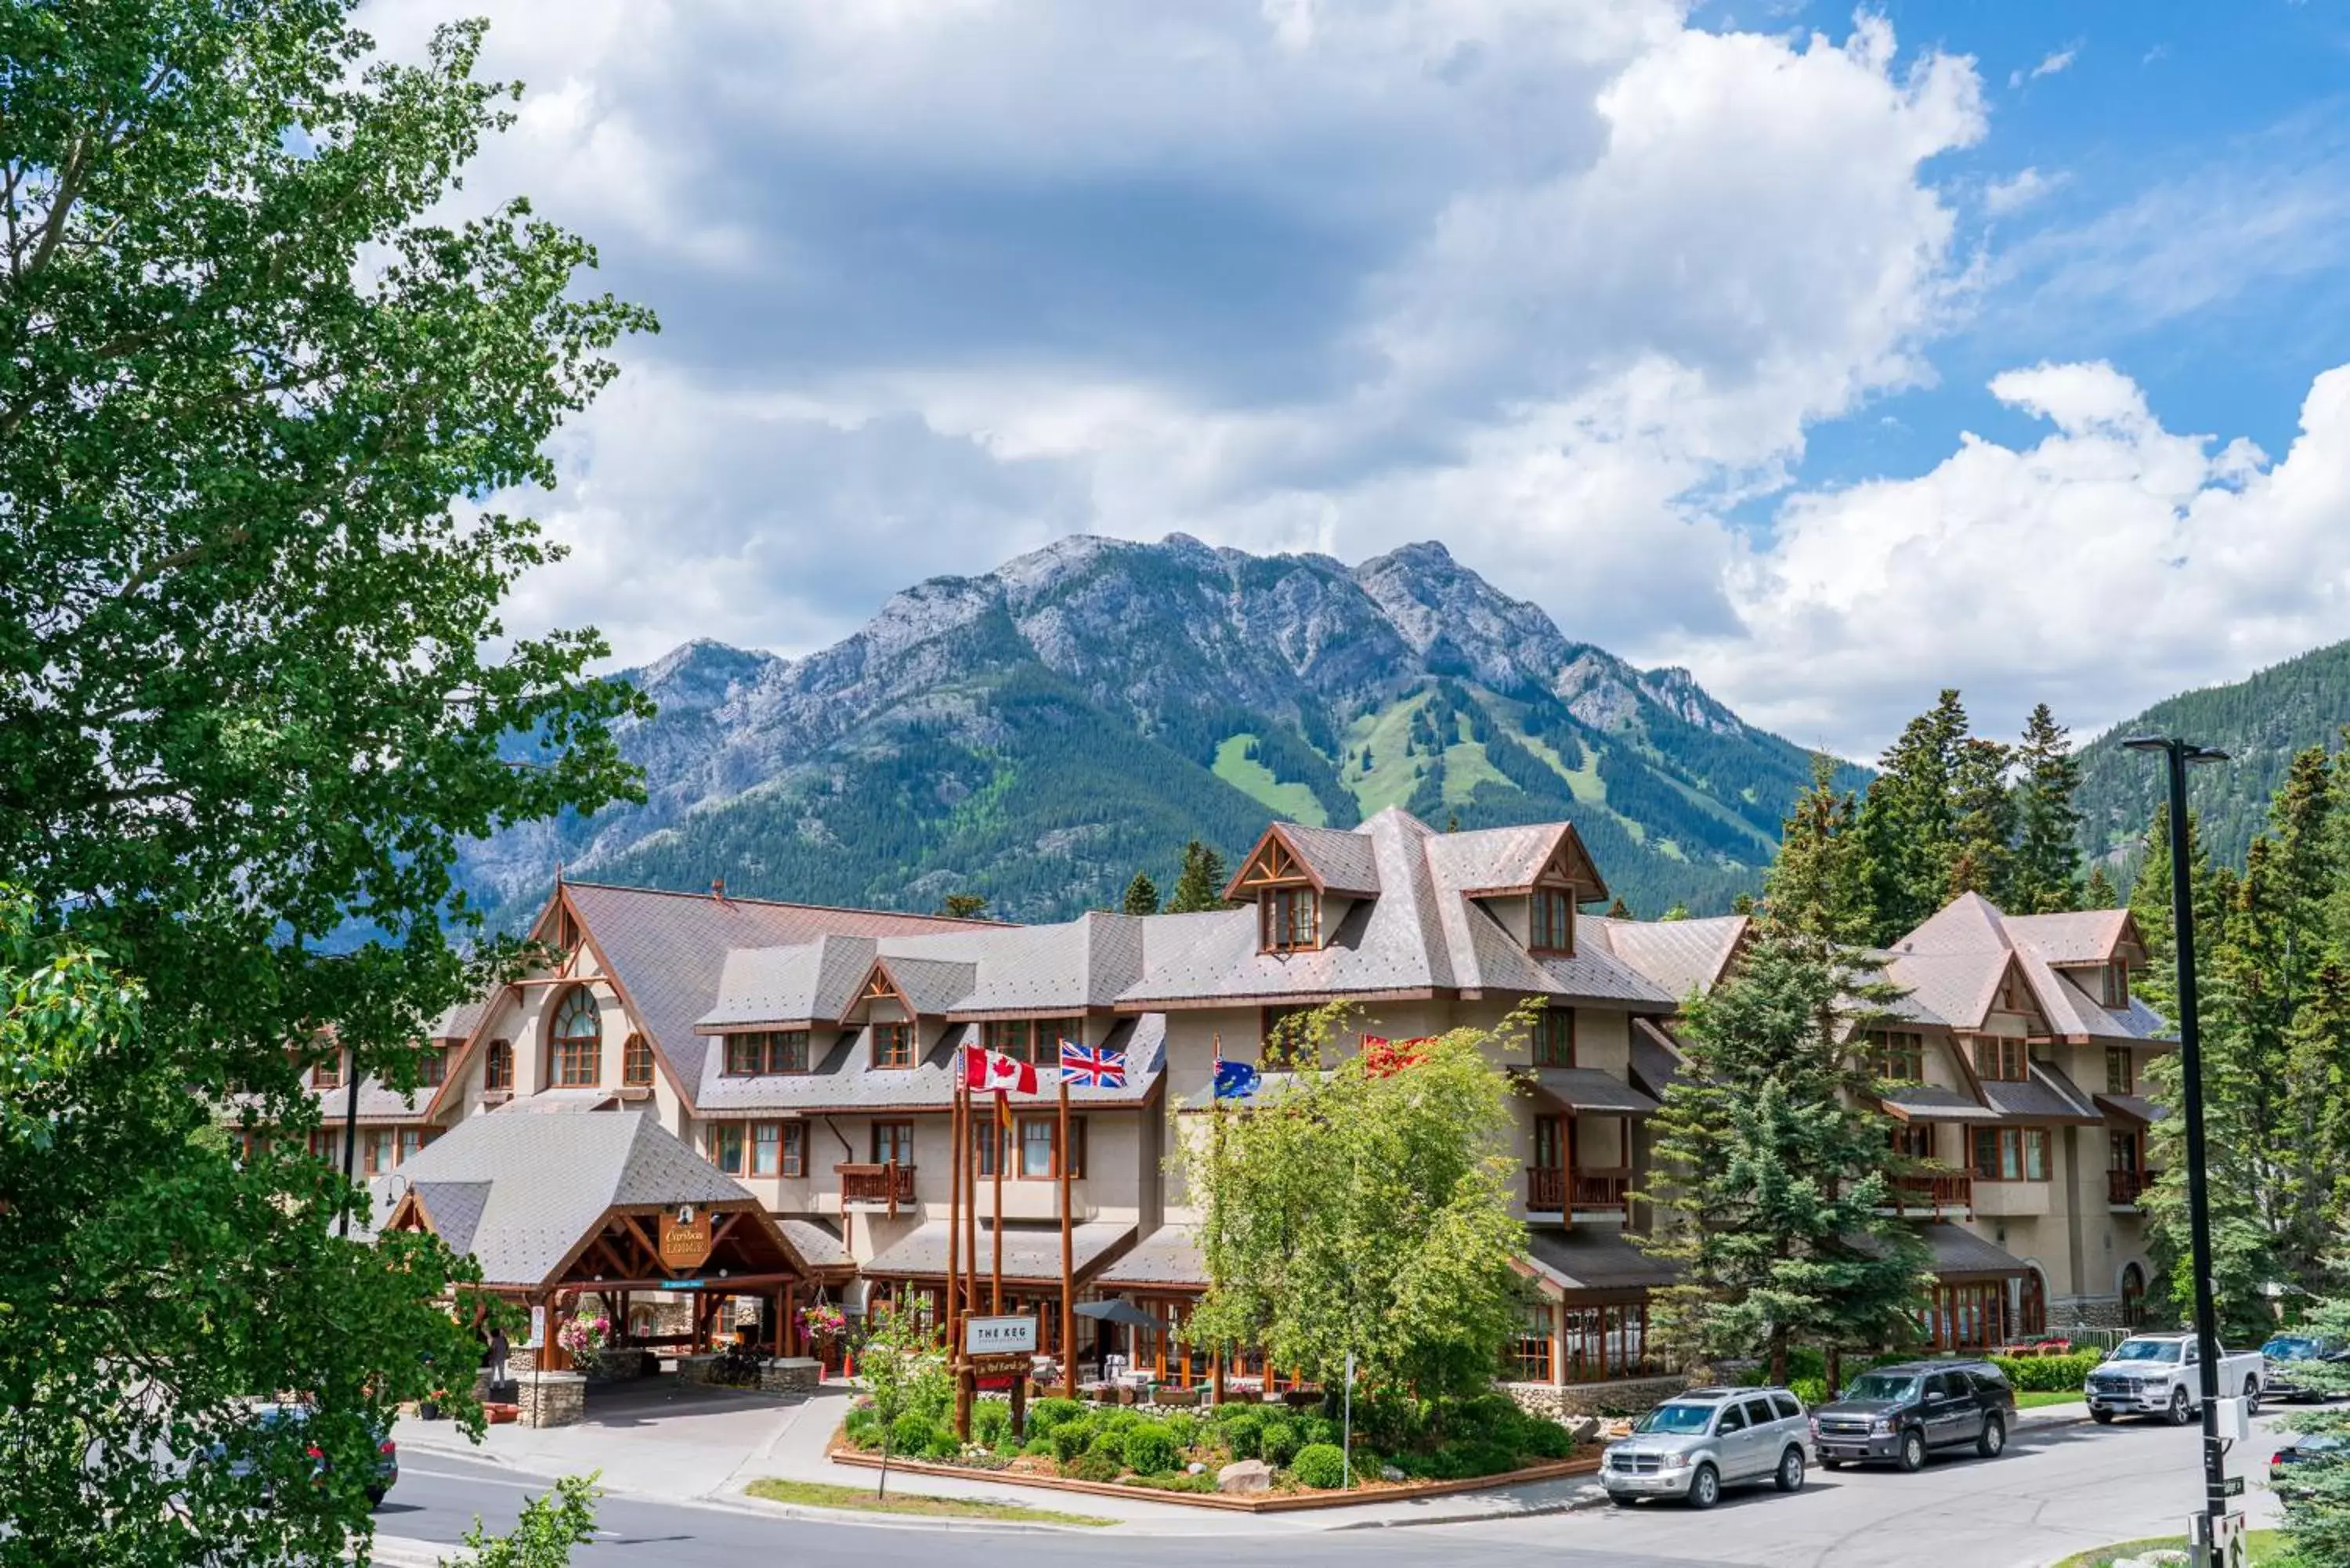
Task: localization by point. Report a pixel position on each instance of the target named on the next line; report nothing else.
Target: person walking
(497, 1355)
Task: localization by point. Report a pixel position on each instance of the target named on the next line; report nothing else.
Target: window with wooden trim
(498, 1065)
(765, 1052)
(2116, 989)
(433, 1066)
(1530, 1354)
(411, 1140)
(1913, 1140)
(1291, 919)
(579, 1036)
(893, 1045)
(2011, 1154)
(1898, 1055)
(2125, 1151)
(327, 1143)
(987, 1142)
(2121, 1071)
(379, 1150)
(329, 1073)
(725, 1145)
(1037, 1138)
(893, 1143)
(637, 1062)
(1551, 921)
(795, 1149)
(1554, 1037)
(766, 1149)
(1037, 1040)
(1550, 1142)
(2002, 1058)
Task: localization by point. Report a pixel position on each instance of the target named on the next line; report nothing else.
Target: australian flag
(1092, 1067)
(1234, 1080)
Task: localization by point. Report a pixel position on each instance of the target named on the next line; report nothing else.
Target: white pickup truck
(2160, 1374)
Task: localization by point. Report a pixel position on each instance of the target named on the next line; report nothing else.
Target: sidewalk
(689, 1444)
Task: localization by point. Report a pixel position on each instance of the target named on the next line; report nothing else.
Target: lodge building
(806, 1054)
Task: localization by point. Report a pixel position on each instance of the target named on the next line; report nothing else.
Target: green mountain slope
(2261, 722)
(1037, 735)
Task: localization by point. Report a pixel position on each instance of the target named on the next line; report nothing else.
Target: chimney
(718, 888)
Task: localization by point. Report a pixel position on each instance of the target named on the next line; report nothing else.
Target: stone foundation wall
(552, 1398)
(792, 1376)
(2097, 1312)
(1624, 1396)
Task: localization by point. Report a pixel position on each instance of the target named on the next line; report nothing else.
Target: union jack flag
(1092, 1067)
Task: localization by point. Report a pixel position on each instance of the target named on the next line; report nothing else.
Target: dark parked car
(2289, 1357)
(1898, 1414)
(2307, 1448)
(270, 1418)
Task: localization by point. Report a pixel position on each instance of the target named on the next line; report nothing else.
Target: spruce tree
(1141, 896)
(1979, 857)
(1200, 884)
(2047, 867)
(2098, 893)
(1907, 817)
(1680, 912)
(1820, 883)
(2212, 891)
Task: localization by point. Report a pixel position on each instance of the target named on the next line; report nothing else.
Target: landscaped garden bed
(1233, 1455)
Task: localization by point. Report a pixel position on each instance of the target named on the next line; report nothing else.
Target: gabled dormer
(1302, 881)
(1531, 879)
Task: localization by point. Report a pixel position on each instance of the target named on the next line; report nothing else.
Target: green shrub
(1110, 1443)
(1069, 1439)
(1312, 1430)
(1392, 1423)
(1244, 1435)
(1810, 1390)
(1151, 1450)
(1047, 1414)
(1038, 1447)
(1184, 1429)
(931, 1395)
(2047, 1373)
(863, 1426)
(1278, 1441)
(989, 1422)
(1095, 1467)
(1545, 1440)
(1320, 1466)
(943, 1444)
(1178, 1480)
(912, 1433)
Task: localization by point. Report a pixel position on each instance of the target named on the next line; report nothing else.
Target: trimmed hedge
(1320, 1466)
(1151, 1450)
(2047, 1373)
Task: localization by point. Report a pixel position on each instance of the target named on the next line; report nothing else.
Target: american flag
(1092, 1067)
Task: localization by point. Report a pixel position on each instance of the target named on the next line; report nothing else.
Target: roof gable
(1331, 860)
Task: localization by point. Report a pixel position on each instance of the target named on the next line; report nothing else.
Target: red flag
(990, 1072)
(1383, 1057)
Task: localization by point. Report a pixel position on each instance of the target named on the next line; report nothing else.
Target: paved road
(2060, 1488)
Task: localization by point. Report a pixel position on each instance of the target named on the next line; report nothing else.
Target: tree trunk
(1835, 1372)
(882, 1488)
(1779, 1357)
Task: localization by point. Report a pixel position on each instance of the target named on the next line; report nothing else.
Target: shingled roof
(1032, 1253)
(843, 1077)
(525, 1191)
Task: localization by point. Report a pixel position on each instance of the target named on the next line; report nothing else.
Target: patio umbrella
(1124, 1312)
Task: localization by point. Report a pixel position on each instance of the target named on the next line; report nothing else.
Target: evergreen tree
(1619, 910)
(1680, 912)
(1979, 857)
(2212, 891)
(965, 906)
(1772, 1166)
(1908, 817)
(1819, 885)
(1141, 895)
(2098, 893)
(1743, 904)
(2047, 874)
(1200, 883)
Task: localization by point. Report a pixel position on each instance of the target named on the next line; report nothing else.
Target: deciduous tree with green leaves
(902, 1368)
(1352, 1210)
(258, 399)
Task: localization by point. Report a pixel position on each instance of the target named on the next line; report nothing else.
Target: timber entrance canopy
(587, 1200)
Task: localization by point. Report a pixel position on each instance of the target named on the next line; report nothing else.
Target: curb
(1580, 1503)
(742, 1501)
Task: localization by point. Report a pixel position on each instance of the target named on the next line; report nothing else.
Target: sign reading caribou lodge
(685, 1237)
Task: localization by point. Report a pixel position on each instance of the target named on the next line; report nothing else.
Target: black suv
(1900, 1412)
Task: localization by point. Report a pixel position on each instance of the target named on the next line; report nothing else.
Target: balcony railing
(2124, 1187)
(892, 1184)
(1547, 1189)
(1929, 1193)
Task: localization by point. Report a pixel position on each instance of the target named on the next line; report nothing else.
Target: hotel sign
(999, 1337)
(685, 1237)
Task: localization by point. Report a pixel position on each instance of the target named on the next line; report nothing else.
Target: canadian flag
(986, 1071)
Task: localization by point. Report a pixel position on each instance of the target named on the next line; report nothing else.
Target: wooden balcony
(2124, 1189)
(1548, 1189)
(889, 1185)
(1931, 1194)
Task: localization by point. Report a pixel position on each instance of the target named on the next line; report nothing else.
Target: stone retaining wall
(552, 1398)
(785, 1376)
(1623, 1398)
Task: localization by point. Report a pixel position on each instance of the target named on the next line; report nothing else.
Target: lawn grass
(2048, 1397)
(820, 1494)
(2268, 1546)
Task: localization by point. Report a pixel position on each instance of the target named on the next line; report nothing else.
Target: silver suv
(1696, 1443)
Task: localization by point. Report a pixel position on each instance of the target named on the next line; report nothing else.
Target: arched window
(2133, 1295)
(497, 1071)
(579, 1037)
(637, 1062)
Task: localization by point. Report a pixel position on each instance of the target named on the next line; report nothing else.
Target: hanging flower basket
(583, 1338)
(824, 1327)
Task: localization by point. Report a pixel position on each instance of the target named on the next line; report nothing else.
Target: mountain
(2260, 723)
(1038, 733)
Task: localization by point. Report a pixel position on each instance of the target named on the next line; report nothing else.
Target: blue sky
(1838, 356)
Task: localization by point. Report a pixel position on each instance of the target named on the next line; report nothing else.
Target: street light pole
(2177, 755)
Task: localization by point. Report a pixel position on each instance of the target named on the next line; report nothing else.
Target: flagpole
(954, 1206)
(995, 1247)
(1069, 1259)
(971, 1196)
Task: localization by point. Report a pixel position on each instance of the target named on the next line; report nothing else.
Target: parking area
(2064, 1485)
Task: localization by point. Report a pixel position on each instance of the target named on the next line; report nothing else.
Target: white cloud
(2017, 191)
(1555, 280)
(2049, 65)
(2111, 563)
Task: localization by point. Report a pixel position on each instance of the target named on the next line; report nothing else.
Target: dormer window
(579, 1039)
(893, 1045)
(1290, 920)
(327, 1074)
(1552, 921)
(2117, 987)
